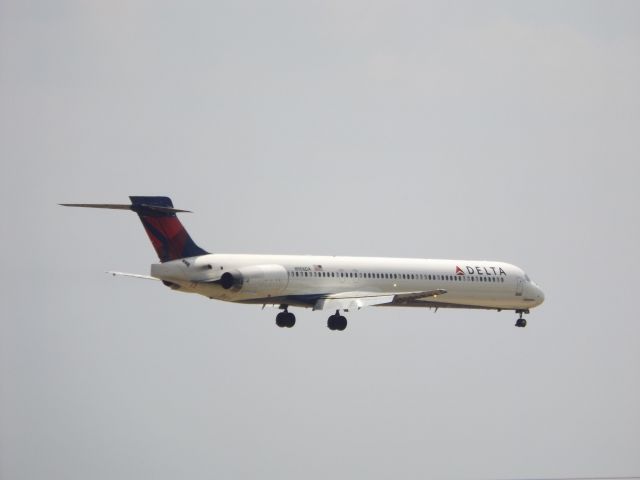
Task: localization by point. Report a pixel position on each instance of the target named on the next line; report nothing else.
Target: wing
(358, 300)
(133, 275)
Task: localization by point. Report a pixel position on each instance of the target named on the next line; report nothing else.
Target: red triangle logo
(459, 271)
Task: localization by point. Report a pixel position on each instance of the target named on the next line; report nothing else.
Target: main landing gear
(337, 322)
(285, 319)
(521, 322)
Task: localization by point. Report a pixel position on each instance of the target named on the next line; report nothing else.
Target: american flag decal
(317, 268)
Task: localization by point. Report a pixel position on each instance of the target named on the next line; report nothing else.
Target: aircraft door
(519, 287)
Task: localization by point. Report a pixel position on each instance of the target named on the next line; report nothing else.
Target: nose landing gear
(285, 319)
(521, 322)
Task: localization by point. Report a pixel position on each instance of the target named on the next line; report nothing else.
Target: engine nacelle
(256, 279)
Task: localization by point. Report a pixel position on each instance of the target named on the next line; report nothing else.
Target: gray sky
(485, 130)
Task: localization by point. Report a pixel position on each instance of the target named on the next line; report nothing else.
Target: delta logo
(490, 271)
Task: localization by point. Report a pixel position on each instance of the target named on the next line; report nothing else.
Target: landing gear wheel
(337, 322)
(291, 320)
(521, 322)
(285, 319)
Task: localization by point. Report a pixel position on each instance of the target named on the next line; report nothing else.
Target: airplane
(331, 283)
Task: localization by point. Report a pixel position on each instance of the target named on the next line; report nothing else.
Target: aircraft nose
(539, 295)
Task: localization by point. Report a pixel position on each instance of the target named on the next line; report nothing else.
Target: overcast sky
(484, 130)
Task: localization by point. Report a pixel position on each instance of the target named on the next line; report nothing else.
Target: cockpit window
(526, 277)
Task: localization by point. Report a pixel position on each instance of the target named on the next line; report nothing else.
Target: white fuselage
(299, 279)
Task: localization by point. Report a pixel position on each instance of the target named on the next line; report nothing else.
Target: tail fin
(167, 234)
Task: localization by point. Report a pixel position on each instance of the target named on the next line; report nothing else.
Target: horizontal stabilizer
(158, 216)
(120, 206)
